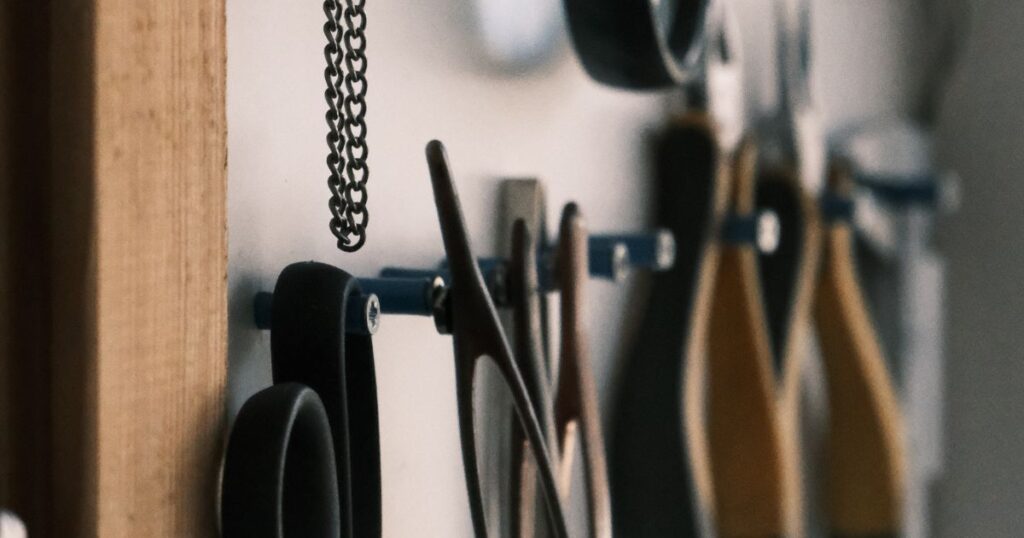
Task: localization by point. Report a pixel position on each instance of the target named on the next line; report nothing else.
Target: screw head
(666, 254)
(769, 231)
(620, 262)
(371, 313)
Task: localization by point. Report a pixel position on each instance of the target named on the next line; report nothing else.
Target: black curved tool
(477, 334)
(654, 475)
(524, 296)
(309, 345)
(788, 274)
(279, 474)
(638, 44)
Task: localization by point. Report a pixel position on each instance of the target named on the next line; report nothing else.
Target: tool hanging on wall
(865, 444)
(477, 334)
(525, 299)
(311, 344)
(321, 322)
(787, 176)
(748, 453)
(611, 257)
(643, 44)
(900, 190)
(345, 74)
(572, 413)
(279, 476)
(661, 476)
(317, 313)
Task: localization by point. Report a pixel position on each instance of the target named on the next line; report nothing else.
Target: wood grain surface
(134, 245)
(749, 460)
(865, 444)
(576, 399)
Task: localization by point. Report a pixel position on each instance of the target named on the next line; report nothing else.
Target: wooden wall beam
(135, 267)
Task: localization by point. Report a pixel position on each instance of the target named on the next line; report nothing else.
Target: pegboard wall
(586, 142)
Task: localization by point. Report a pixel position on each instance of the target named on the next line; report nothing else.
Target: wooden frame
(115, 265)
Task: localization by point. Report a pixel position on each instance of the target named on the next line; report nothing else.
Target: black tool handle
(279, 474)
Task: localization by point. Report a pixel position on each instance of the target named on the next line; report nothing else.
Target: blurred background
(500, 84)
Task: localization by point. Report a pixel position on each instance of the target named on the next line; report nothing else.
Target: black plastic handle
(279, 474)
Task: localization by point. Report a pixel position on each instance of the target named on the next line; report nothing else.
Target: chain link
(346, 115)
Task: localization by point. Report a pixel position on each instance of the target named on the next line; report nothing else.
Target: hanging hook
(415, 296)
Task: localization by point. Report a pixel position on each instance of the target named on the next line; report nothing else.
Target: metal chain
(346, 115)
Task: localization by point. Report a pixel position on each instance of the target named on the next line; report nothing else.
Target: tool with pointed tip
(576, 403)
(477, 336)
(573, 418)
(660, 466)
(791, 169)
(524, 297)
(866, 471)
(611, 257)
(749, 456)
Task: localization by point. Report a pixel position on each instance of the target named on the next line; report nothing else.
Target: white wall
(585, 141)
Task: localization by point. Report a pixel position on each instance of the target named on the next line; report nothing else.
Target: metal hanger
(641, 44)
(477, 334)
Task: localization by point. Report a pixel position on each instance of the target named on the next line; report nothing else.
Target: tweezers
(572, 418)
(477, 334)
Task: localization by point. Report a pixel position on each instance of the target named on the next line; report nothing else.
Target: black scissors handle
(661, 484)
(309, 345)
(279, 475)
(477, 333)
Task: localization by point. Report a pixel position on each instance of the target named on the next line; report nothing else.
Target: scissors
(660, 471)
(477, 335)
(791, 168)
(311, 348)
